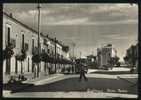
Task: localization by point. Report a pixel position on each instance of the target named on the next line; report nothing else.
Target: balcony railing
(12, 43)
(26, 46)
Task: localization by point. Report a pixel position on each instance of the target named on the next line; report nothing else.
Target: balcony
(26, 46)
(12, 43)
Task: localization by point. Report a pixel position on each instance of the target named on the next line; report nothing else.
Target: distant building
(104, 54)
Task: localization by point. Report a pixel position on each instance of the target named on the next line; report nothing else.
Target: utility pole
(38, 65)
(55, 54)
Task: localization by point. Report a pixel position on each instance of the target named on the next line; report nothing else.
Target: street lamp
(38, 7)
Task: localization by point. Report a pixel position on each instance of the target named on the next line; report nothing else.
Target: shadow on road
(16, 87)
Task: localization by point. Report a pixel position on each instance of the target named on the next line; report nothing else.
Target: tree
(117, 63)
(36, 58)
(65, 48)
(45, 58)
(7, 54)
(114, 61)
(21, 57)
(131, 56)
(126, 59)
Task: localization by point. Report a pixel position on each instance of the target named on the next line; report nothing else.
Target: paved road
(112, 72)
(93, 84)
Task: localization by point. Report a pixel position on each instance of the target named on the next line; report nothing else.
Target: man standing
(82, 72)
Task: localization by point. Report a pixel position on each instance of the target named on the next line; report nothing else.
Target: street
(96, 84)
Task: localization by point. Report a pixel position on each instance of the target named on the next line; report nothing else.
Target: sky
(89, 26)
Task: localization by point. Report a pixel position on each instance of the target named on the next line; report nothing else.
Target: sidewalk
(42, 79)
(114, 69)
(7, 77)
(45, 79)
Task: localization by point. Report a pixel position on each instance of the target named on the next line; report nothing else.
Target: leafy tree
(114, 61)
(21, 57)
(8, 52)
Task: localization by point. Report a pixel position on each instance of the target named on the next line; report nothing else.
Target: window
(13, 43)
(26, 46)
(22, 40)
(32, 44)
(7, 34)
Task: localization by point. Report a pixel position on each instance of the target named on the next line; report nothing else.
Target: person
(12, 80)
(49, 69)
(82, 73)
(23, 78)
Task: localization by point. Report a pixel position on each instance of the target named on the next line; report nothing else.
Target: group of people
(19, 79)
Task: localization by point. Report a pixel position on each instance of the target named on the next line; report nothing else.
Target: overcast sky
(89, 26)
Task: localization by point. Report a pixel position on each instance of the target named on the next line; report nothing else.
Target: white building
(104, 54)
(17, 34)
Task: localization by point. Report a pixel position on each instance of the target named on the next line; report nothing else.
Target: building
(131, 58)
(21, 42)
(104, 55)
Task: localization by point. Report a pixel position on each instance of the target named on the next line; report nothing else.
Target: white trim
(22, 32)
(8, 25)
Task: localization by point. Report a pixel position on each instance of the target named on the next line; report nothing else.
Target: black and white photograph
(70, 50)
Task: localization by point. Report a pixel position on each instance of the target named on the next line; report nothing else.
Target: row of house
(24, 43)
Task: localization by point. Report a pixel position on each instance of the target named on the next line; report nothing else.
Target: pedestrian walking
(82, 73)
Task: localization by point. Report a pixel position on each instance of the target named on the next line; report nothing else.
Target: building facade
(104, 55)
(23, 42)
(131, 58)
